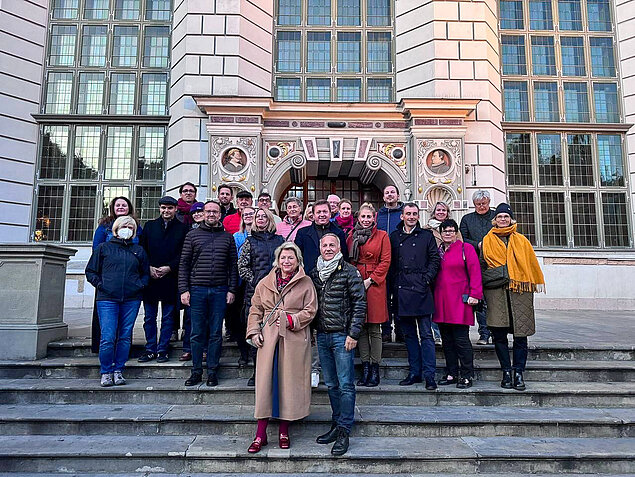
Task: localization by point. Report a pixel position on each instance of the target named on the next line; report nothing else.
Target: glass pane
(50, 205)
(125, 45)
(154, 94)
(379, 90)
(540, 16)
(319, 12)
(158, 9)
(318, 89)
(349, 90)
(59, 91)
(81, 217)
(518, 148)
(572, 49)
(110, 193)
(288, 89)
(584, 216)
(580, 159)
(94, 45)
(156, 47)
(348, 12)
(151, 151)
(349, 54)
(543, 55)
(511, 12)
(554, 229)
(122, 93)
(146, 199)
(549, 159)
(288, 51)
(570, 14)
(516, 101)
(86, 156)
(546, 102)
(522, 203)
(118, 152)
(379, 52)
(63, 39)
(602, 58)
(318, 52)
(576, 103)
(90, 99)
(127, 9)
(378, 13)
(599, 15)
(96, 9)
(289, 12)
(610, 160)
(514, 60)
(54, 152)
(615, 219)
(63, 9)
(606, 103)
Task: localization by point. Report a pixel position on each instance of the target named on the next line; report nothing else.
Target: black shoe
(329, 437)
(519, 382)
(145, 357)
(194, 379)
(341, 443)
(447, 380)
(363, 380)
(251, 382)
(384, 339)
(242, 362)
(431, 384)
(373, 379)
(212, 380)
(464, 383)
(162, 358)
(410, 380)
(506, 382)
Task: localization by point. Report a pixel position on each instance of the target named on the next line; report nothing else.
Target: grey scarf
(327, 267)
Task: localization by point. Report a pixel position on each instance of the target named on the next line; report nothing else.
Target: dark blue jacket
(387, 219)
(308, 240)
(413, 268)
(119, 270)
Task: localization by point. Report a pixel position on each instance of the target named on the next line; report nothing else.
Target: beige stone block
(484, 31)
(185, 129)
(448, 11)
(416, 37)
(415, 56)
(460, 30)
(483, 69)
(441, 69)
(199, 44)
(249, 89)
(424, 90)
(191, 85)
(440, 30)
(488, 111)
(474, 89)
(188, 65)
(200, 6)
(214, 24)
(255, 54)
(230, 65)
(227, 45)
(193, 24)
(181, 172)
(233, 23)
(256, 35)
(228, 6)
(261, 15)
(419, 74)
(626, 30)
(481, 132)
(473, 50)
(404, 6)
(225, 86)
(414, 18)
(448, 49)
(255, 74)
(447, 89)
(21, 48)
(211, 65)
(461, 69)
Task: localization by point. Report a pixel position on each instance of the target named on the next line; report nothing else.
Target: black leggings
(457, 348)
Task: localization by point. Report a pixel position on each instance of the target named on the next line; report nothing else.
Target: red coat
(374, 262)
(452, 282)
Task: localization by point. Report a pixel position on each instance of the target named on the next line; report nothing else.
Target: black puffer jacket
(262, 247)
(208, 259)
(341, 301)
(119, 270)
(475, 226)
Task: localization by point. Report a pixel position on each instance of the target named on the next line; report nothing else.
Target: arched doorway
(316, 188)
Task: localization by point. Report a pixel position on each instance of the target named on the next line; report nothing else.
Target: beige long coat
(294, 352)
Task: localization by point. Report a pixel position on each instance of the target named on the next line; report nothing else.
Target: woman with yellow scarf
(511, 275)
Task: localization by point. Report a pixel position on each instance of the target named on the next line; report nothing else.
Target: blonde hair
(367, 205)
(124, 220)
(444, 204)
(242, 220)
(309, 207)
(288, 246)
(272, 222)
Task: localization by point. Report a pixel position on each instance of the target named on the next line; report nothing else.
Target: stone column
(32, 285)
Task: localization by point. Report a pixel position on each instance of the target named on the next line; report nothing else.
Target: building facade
(529, 99)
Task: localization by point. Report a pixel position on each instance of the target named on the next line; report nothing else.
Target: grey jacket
(475, 226)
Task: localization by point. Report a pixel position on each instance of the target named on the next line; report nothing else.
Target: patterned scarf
(283, 282)
(360, 237)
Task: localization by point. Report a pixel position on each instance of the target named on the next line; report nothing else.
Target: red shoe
(284, 441)
(256, 445)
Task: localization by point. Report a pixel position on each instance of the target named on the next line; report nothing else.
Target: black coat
(262, 249)
(163, 247)
(308, 240)
(414, 266)
(341, 301)
(119, 270)
(225, 211)
(475, 226)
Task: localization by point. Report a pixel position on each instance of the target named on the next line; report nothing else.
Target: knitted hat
(197, 207)
(504, 209)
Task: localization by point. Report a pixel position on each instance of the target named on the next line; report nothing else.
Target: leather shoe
(284, 441)
(145, 357)
(251, 382)
(329, 437)
(187, 356)
(341, 443)
(410, 380)
(256, 445)
(519, 382)
(212, 380)
(373, 379)
(464, 383)
(506, 382)
(194, 379)
(431, 384)
(446, 380)
(163, 358)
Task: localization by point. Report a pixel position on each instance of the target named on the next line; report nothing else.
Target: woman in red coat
(370, 253)
(457, 287)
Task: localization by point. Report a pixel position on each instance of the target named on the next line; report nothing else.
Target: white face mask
(124, 233)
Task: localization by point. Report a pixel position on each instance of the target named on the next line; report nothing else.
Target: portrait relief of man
(234, 160)
(438, 161)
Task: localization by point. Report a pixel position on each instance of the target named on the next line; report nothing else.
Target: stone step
(391, 368)
(304, 474)
(370, 421)
(222, 453)
(235, 391)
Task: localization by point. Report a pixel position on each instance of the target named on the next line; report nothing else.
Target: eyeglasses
(212, 212)
(448, 231)
(189, 191)
(248, 215)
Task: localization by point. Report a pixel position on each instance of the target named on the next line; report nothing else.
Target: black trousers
(501, 346)
(95, 335)
(457, 349)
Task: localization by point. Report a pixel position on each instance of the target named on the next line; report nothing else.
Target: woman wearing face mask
(344, 219)
(118, 207)
(119, 270)
(370, 253)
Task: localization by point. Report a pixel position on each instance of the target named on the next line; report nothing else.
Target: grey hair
(480, 194)
(331, 235)
(288, 246)
(124, 220)
(293, 199)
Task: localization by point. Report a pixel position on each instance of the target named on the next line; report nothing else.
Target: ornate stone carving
(233, 158)
(274, 153)
(396, 153)
(439, 161)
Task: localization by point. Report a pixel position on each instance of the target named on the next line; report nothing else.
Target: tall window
(334, 50)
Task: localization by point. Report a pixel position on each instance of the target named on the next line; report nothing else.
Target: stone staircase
(576, 417)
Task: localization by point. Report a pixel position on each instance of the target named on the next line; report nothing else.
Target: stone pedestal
(32, 284)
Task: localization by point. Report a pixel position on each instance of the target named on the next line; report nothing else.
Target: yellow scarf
(525, 274)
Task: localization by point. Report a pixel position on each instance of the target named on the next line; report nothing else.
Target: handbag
(264, 322)
(496, 277)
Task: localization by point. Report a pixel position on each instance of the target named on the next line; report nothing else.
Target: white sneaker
(106, 380)
(315, 379)
(119, 379)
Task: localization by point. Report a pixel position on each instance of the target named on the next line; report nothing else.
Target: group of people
(329, 277)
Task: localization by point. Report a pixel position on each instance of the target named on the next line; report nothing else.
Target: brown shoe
(187, 356)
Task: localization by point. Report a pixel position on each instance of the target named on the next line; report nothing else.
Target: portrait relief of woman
(438, 161)
(234, 160)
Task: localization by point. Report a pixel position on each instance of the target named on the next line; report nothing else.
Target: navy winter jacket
(308, 241)
(387, 219)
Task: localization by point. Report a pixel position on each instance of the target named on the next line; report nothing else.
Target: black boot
(363, 380)
(519, 382)
(506, 382)
(373, 380)
(328, 437)
(341, 444)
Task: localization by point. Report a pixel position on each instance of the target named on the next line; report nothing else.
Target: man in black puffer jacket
(339, 320)
(208, 280)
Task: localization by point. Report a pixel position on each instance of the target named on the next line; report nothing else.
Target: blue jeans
(421, 355)
(150, 325)
(116, 321)
(207, 311)
(338, 370)
(481, 319)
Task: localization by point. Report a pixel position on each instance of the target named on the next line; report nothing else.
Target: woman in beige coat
(284, 303)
